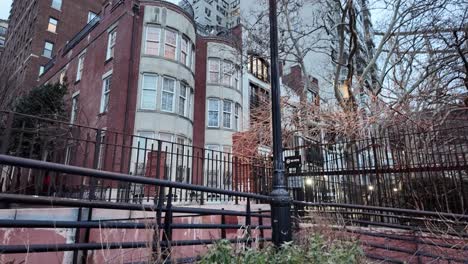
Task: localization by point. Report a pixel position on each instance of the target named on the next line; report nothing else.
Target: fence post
(281, 201)
(260, 224)
(248, 223)
(167, 228)
(223, 222)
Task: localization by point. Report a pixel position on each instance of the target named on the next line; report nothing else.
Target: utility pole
(281, 202)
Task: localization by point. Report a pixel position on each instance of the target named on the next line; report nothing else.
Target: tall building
(36, 29)
(216, 15)
(3, 31)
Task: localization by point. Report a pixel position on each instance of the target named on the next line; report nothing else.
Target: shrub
(312, 250)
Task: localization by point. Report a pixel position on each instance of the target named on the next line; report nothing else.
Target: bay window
(183, 100)
(184, 51)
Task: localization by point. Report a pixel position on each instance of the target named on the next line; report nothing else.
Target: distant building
(36, 30)
(3, 31)
(216, 15)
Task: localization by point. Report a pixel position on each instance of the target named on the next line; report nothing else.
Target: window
(41, 70)
(74, 108)
(184, 51)
(183, 100)
(106, 86)
(52, 27)
(153, 39)
(57, 4)
(144, 144)
(91, 16)
(214, 66)
(236, 117)
(227, 72)
(79, 71)
(213, 113)
(111, 44)
(63, 76)
(258, 67)
(170, 45)
(236, 79)
(227, 112)
(310, 97)
(148, 93)
(48, 48)
(168, 95)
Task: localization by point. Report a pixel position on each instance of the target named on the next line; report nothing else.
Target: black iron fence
(60, 142)
(403, 168)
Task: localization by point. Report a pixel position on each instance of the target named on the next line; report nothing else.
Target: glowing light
(395, 189)
(308, 181)
(371, 188)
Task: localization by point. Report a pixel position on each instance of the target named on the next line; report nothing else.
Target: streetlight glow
(371, 188)
(308, 181)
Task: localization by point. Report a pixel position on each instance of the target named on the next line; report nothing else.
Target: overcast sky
(5, 8)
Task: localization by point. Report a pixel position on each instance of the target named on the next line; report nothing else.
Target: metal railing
(60, 142)
(404, 168)
(80, 35)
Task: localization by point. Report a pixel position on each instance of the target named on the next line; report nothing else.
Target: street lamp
(308, 181)
(281, 201)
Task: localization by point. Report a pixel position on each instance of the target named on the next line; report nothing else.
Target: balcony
(78, 37)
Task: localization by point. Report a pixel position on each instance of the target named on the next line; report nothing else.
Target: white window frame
(172, 45)
(111, 42)
(80, 67)
(185, 52)
(213, 110)
(173, 92)
(210, 62)
(56, 4)
(227, 112)
(143, 89)
(227, 72)
(158, 41)
(237, 115)
(54, 26)
(184, 98)
(106, 88)
(74, 107)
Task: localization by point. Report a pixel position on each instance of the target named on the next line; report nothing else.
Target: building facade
(3, 32)
(36, 30)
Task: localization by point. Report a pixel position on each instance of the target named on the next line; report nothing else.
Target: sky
(5, 8)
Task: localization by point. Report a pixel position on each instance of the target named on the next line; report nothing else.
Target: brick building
(36, 29)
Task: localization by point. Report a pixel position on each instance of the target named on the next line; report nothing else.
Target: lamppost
(281, 202)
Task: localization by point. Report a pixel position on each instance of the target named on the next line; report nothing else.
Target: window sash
(236, 117)
(52, 26)
(214, 69)
(170, 47)
(149, 92)
(184, 51)
(111, 44)
(153, 40)
(213, 113)
(74, 109)
(79, 72)
(57, 4)
(106, 86)
(227, 114)
(227, 73)
(48, 49)
(183, 100)
(167, 98)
